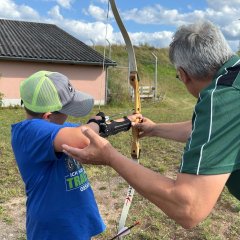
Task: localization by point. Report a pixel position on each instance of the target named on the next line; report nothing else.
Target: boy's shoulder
(35, 125)
(40, 125)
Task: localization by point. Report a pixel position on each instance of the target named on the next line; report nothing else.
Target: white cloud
(87, 32)
(158, 39)
(97, 13)
(232, 30)
(55, 13)
(151, 15)
(11, 10)
(217, 5)
(65, 3)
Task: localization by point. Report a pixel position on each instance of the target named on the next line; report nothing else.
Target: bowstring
(101, 88)
(104, 56)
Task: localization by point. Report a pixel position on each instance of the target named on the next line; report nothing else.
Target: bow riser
(134, 82)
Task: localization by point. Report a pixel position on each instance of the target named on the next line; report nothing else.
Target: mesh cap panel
(39, 93)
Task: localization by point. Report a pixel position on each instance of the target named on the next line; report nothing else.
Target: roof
(41, 42)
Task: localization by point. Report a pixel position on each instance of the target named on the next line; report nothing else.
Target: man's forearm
(187, 200)
(179, 132)
(156, 188)
(174, 199)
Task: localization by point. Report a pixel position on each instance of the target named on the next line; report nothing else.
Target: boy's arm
(112, 127)
(73, 136)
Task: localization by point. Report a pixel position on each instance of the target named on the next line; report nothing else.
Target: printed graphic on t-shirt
(77, 178)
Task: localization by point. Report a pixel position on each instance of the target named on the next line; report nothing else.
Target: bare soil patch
(12, 225)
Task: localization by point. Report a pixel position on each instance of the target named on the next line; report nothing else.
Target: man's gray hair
(200, 49)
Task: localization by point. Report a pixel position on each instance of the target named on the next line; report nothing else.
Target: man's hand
(95, 153)
(145, 127)
(137, 117)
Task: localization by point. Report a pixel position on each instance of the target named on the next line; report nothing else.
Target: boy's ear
(47, 115)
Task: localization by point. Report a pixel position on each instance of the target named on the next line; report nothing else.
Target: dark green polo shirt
(214, 144)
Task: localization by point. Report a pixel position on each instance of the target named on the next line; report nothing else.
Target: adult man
(60, 201)
(211, 158)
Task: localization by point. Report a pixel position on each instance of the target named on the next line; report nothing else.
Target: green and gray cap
(51, 91)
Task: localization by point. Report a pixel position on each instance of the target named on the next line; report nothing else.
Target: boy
(60, 201)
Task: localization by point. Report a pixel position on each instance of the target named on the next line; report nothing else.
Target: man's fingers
(65, 147)
(141, 135)
(73, 152)
(89, 133)
(81, 153)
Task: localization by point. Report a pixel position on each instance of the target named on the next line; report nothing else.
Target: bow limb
(129, 46)
(134, 81)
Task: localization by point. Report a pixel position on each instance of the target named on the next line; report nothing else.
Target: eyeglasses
(178, 78)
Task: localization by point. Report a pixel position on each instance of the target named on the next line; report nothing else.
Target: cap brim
(80, 105)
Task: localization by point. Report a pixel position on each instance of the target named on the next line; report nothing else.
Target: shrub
(1, 99)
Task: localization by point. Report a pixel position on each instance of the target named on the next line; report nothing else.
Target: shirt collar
(234, 60)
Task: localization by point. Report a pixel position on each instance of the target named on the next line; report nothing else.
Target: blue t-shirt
(60, 201)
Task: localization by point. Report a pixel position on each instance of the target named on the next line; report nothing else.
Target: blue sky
(147, 21)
